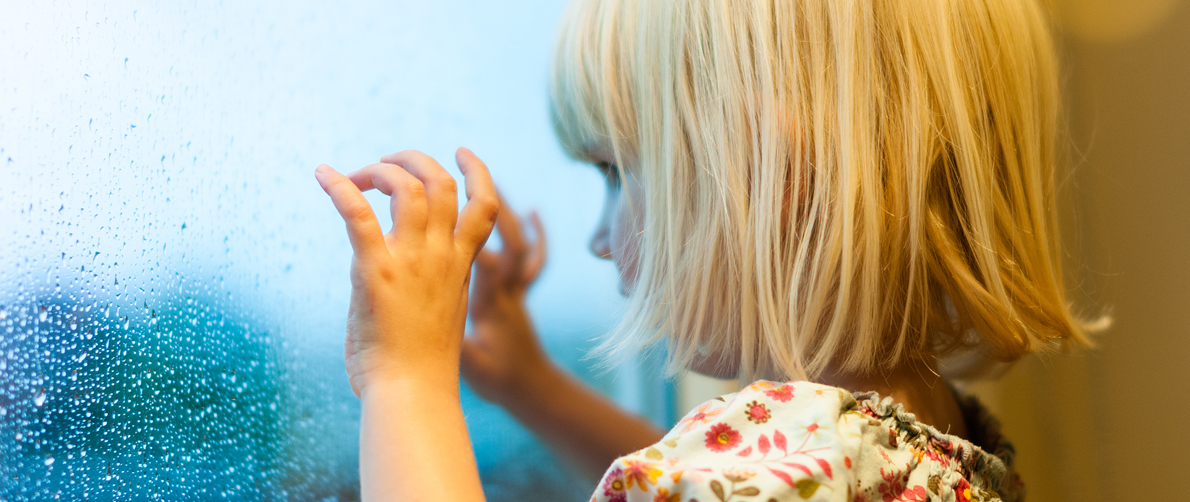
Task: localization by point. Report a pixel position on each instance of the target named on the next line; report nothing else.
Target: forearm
(579, 422)
(414, 444)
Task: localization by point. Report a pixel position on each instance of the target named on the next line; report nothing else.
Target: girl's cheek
(624, 238)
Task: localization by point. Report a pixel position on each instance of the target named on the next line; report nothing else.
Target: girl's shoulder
(802, 440)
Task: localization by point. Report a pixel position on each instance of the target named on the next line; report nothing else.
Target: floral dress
(805, 441)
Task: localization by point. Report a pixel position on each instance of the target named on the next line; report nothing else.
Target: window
(173, 284)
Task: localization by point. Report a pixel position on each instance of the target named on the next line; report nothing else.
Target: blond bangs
(591, 108)
(837, 183)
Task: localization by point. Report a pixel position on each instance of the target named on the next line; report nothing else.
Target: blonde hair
(827, 182)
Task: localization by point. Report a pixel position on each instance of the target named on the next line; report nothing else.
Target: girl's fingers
(512, 238)
(362, 228)
(535, 261)
(483, 204)
(408, 204)
(486, 259)
(441, 190)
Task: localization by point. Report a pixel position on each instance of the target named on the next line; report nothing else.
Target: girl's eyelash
(610, 172)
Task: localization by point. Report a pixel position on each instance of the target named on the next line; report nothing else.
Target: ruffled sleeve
(784, 441)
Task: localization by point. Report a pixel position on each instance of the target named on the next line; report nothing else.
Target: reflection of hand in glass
(503, 353)
(504, 363)
(406, 319)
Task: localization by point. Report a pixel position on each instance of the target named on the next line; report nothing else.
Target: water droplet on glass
(49, 461)
(40, 398)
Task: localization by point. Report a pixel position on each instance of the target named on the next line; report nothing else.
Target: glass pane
(173, 284)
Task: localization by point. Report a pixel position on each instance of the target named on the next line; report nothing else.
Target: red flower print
(757, 412)
(782, 393)
(810, 430)
(614, 487)
(937, 456)
(894, 490)
(962, 491)
(915, 494)
(893, 486)
(722, 437)
(762, 444)
(937, 451)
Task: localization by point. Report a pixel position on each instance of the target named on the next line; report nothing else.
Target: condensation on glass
(173, 284)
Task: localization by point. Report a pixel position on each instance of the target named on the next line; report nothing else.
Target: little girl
(832, 194)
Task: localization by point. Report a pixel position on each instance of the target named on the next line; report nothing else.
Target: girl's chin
(625, 285)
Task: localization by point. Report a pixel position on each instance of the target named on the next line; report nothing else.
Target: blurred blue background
(173, 284)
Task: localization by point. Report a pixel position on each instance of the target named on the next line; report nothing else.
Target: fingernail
(322, 169)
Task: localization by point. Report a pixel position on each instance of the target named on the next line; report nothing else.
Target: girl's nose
(601, 243)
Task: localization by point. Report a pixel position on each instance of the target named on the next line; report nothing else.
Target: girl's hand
(503, 353)
(409, 286)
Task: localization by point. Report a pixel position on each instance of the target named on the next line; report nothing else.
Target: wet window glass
(173, 283)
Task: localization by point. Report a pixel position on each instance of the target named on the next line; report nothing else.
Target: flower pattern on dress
(758, 412)
(963, 491)
(640, 473)
(663, 495)
(893, 487)
(738, 475)
(613, 486)
(722, 437)
(701, 415)
(805, 441)
(781, 394)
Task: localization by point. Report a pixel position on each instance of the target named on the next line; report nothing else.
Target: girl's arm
(414, 444)
(405, 323)
(575, 420)
(504, 363)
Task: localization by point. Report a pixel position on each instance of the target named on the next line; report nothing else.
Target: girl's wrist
(383, 387)
(427, 379)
